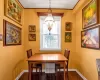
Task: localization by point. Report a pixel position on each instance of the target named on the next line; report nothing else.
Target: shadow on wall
(18, 69)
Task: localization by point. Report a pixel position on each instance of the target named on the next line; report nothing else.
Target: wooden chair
(58, 66)
(36, 66)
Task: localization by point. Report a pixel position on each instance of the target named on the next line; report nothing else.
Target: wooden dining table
(46, 58)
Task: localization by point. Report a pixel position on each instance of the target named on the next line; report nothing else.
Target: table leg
(64, 70)
(29, 71)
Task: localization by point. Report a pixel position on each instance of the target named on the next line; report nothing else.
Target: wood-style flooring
(37, 76)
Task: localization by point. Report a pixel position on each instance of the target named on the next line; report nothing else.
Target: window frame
(41, 37)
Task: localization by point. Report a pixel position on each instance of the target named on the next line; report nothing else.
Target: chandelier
(49, 20)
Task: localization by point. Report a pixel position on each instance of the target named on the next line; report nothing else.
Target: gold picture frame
(90, 38)
(68, 37)
(13, 10)
(32, 37)
(32, 28)
(1, 37)
(12, 34)
(68, 26)
(90, 14)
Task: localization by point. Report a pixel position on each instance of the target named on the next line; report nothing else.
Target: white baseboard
(44, 71)
(71, 69)
(81, 75)
(20, 75)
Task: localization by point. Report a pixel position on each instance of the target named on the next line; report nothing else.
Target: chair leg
(56, 74)
(67, 74)
(41, 70)
(31, 72)
(36, 69)
(59, 69)
(56, 69)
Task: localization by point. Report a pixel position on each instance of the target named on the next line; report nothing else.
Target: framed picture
(90, 38)
(1, 37)
(68, 37)
(13, 10)
(90, 14)
(68, 26)
(32, 28)
(32, 37)
(12, 34)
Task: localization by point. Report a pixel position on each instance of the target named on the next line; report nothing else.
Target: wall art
(32, 37)
(32, 28)
(90, 14)
(90, 38)
(12, 34)
(13, 10)
(68, 26)
(1, 37)
(68, 37)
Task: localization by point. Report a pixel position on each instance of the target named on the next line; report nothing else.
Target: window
(50, 40)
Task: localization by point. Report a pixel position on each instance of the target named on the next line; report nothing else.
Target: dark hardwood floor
(37, 76)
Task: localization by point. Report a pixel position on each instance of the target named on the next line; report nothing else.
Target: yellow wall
(31, 18)
(86, 58)
(10, 56)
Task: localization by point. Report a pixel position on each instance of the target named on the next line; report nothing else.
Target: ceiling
(59, 4)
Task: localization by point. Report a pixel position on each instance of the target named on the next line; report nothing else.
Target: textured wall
(31, 18)
(86, 58)
(10, 56)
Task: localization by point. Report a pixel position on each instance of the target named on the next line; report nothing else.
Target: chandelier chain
(50, 11)
(50, 4)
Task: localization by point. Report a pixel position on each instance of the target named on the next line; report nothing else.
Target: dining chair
(58, 66)
(37, 65)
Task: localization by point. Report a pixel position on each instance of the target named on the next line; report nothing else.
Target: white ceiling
(63, 4)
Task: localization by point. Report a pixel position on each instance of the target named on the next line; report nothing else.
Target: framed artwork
(1, 37)
(90, 38)
(90, 14)
(12, 34)
(68, 37)
(68, 26)
(13, 10)
(32, 28)
(32, 37)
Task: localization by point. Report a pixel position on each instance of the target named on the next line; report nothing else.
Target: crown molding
(45, 14)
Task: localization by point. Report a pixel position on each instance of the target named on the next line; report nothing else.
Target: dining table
(46, 58)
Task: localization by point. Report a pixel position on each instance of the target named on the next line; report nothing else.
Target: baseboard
(77, 72)
(20, 75)
(71, 69)
(44, 71)
(81, 75)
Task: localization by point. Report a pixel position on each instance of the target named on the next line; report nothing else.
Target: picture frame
(12, 34)
(90, 38)
(32, 37)
(90, 14)
(68, 26)
(13, 10)
(1, 37)
(32, 28)
(68, 37)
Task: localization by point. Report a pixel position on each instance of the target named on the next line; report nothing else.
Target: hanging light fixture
(49, 20)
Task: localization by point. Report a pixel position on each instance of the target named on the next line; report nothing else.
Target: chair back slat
(29, 53)
(67, 53)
